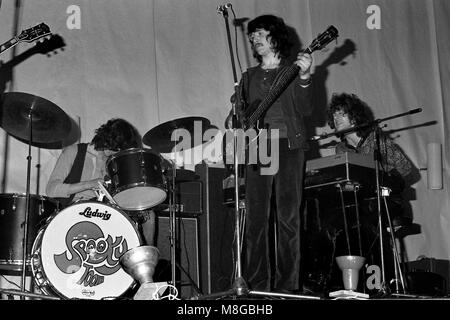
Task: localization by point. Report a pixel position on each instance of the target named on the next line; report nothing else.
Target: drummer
(81, 166)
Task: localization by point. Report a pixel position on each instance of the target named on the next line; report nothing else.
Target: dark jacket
(296, 102)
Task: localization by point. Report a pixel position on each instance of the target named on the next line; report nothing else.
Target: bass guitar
(253, 114)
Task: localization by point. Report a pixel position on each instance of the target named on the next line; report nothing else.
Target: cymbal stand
(23, 293)
(239, 287)
(27, 208)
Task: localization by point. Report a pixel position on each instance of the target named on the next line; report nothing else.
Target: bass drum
(76, 254)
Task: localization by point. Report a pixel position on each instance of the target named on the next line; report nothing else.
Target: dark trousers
(287, 185)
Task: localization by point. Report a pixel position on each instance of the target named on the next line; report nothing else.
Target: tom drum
(12, 218)
(136, 179)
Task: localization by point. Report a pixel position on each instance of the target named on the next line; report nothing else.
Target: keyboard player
(346, 111)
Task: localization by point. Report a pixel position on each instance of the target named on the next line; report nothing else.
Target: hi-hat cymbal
(160, 137)
(49, 124)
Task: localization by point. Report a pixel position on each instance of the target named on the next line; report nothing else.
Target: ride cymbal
(50, 124)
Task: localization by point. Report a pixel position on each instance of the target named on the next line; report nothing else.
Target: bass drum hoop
(40, 278)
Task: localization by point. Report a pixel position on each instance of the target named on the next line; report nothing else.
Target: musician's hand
(229, 121)
(93, 184)
(304, 61)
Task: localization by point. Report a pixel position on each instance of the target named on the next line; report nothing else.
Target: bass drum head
(77, 254)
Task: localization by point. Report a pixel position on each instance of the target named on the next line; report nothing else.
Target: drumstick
(106, 193)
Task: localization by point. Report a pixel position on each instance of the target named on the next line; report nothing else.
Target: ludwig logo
(88, 248)
(88, 213)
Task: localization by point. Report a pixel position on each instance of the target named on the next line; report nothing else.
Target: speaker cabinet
(187, 271)
(216, 225)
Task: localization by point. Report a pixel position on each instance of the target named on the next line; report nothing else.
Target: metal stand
(239, 287)
(382, 192)
(355, 189)
(24, 294)
(172, 233)
(397, 263)
(384, 290)
(172, 224)
(27, 209)
(22, 291)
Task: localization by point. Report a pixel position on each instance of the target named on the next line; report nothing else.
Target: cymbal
(160, 137)
(50, 123)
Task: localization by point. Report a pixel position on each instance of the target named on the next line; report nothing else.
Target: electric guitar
(253, 114)
(28, 35)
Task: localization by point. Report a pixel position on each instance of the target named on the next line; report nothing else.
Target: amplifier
(187, 273)
(188, 200)
(430, 267)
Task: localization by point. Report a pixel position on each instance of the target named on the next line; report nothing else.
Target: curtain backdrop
(154, 61)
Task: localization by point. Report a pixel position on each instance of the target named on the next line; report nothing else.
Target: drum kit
(75, 253)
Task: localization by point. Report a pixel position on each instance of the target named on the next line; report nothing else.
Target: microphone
(223, 7)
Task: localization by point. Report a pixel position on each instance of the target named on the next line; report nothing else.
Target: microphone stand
(384, 290)
(362, 126)
(239, 287)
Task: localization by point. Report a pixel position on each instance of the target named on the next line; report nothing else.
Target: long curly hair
(116, 134)
(357, 110)
(277, 31)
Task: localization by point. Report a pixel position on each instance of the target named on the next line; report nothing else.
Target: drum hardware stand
(24, 294)
(102, 192)
(239, 287)
(22, 291)
(27, 208)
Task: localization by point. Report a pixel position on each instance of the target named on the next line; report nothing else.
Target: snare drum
(136, 179)
(12, 218)
(77, 253)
